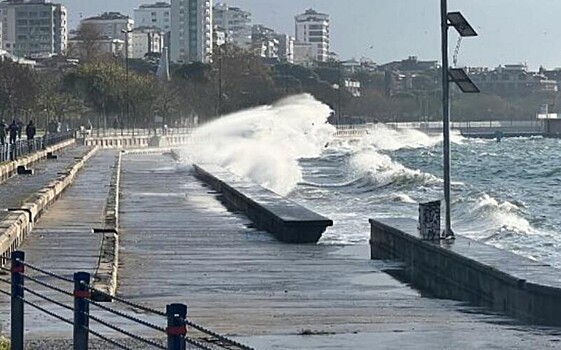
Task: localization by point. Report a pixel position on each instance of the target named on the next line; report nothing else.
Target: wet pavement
(16, 189)
(179, 244)
(62, 242)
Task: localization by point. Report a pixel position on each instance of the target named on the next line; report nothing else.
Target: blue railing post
(81, 310)
(176, 330)
(17, 300)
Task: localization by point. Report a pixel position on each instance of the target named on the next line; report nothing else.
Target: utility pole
(126, 32)
(219, 103)
(339, 97)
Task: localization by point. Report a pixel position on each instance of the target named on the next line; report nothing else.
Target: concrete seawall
(286, 220)
(464, 269)
(9, 169)
(20, 221)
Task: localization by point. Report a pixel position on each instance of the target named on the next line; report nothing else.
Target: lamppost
(219, 100)
(458, 76)
(339, 96)
(127, 32)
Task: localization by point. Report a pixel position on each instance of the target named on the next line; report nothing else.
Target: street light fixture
(456, 20)
(458, 76)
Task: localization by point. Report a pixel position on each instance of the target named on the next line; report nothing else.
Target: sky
(510, 31)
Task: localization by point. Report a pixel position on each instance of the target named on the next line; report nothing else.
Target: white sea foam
(265, 143)
(389, 139)
(382, 170)
(503, 215)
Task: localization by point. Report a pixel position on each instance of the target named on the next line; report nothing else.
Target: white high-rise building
(112, 26)
(313, 28)
(191, 31)
(157, 15)
(33, 28)
(286, 48)
(146, 41)
(235, 22)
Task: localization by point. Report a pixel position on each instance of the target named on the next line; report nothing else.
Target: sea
(506, 194)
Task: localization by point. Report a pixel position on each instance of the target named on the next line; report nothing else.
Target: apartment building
(157, 15)
(33, 28)
(312, 28)
(146, 41)
(191, 31)
(235, 22)
(112, 26)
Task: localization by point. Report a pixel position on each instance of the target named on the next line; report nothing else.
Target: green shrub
(4, 344)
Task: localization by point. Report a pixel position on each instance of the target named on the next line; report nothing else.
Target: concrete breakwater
(286, 220)
(16, 225)
(464, 269)
(9, 169)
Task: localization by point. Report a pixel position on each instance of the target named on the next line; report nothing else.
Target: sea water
(507, 194)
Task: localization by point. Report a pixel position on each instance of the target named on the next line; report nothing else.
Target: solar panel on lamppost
(456, 20)
(459, 76)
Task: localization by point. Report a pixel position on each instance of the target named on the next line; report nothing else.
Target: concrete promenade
(179, 244)
(17, 188)
(62, 242)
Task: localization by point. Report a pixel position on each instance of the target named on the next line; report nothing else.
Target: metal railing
(10, 152)
(83, 308)
(110, 132)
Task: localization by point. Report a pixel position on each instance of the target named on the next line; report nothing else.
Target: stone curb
(20, 222)
(10, 168)
(105, 277)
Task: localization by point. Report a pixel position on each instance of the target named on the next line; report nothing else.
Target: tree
(88, 45)
(18, 89)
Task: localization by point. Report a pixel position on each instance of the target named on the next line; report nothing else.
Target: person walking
(2, 132)
(30, 133)
(13, 131)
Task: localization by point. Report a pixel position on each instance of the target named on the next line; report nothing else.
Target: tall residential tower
(235, 22)
(157, 15)
(33, 28)
(313, 28)
(191, 31)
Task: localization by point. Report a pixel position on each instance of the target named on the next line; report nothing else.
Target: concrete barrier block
(471, 271)
(21, 170)
(286, 220)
